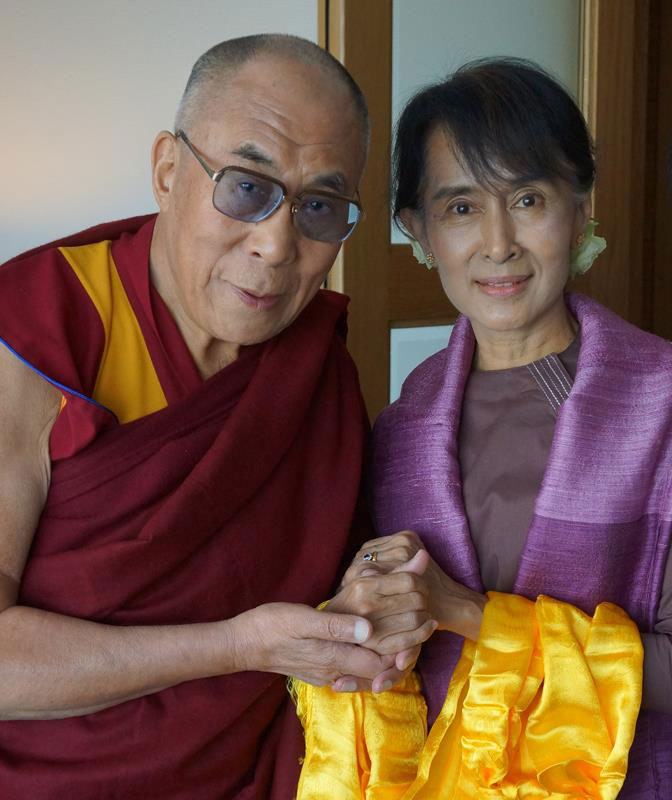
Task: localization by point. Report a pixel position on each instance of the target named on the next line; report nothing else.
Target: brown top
(508, 421)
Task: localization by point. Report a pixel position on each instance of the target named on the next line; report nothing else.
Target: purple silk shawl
(602, 518)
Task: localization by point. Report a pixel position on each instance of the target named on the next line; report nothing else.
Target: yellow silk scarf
(544, 705)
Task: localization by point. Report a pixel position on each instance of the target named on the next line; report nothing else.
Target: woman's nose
(499, 237)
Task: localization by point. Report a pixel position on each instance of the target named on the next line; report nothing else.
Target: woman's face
(502, 254)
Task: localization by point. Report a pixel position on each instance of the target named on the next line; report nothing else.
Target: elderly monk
(180, 451)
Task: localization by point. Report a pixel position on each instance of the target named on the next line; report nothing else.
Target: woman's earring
(420, 256)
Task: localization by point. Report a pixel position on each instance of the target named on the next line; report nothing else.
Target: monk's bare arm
(55, 666)
(52, 665)
(28, 408)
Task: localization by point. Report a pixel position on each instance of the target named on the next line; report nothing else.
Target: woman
(533, 455)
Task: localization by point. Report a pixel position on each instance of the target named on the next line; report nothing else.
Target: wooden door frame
(387, 287)
(658, 231)
(361, 270)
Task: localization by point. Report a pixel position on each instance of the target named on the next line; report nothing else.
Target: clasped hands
(405, 596)
(370, 633)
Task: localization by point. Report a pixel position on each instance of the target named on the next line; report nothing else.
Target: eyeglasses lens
(246, 197)
(326, 219)
(251, 198)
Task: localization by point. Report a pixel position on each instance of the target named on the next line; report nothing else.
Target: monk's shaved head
(223, 60)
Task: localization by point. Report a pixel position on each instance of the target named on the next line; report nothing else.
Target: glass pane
(410, 347)
(434, 37)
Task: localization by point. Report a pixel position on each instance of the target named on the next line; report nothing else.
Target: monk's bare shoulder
(28, 409)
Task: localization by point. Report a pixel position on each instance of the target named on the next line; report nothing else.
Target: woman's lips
(505, 286)
(262, 302)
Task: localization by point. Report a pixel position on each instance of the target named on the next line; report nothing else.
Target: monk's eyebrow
(250, 152)
(329, 180)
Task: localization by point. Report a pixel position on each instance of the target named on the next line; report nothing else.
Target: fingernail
(387, 685)
(361, 630)
(346, 686)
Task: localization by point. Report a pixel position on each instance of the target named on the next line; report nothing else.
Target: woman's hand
(396, 603)
(405, 660)
(454, 606)
(389, 553)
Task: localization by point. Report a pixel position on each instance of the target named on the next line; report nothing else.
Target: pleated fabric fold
(544, 705)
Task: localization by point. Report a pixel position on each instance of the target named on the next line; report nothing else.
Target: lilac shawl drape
(603, 516)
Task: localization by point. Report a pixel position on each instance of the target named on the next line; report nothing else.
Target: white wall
(410, 347)
(85, 86)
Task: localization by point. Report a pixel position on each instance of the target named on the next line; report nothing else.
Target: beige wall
(85, 86)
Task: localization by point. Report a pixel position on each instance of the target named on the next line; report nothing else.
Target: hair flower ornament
(588, 248)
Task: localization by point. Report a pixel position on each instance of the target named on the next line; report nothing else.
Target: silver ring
(372, 556)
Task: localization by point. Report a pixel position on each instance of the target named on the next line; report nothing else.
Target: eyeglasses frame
(216, 175)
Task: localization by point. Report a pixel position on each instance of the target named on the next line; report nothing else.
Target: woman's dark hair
(505, 116)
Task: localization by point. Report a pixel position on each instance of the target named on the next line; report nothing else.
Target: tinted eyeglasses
(250, 196)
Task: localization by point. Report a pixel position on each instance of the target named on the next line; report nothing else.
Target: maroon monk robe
(239, 495)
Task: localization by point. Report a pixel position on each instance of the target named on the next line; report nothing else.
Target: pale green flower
(418, 252)
(582, 257)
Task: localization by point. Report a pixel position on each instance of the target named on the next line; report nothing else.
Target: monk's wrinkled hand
(317, 647)
(404, 663)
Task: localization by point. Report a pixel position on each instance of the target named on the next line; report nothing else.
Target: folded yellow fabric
(544, 705)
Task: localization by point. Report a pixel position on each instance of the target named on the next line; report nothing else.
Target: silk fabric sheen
(602, 520)
(241, 493)
(506, 430)
(544, 705)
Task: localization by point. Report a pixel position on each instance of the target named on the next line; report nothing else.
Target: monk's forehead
(279, 106)
(282, 88)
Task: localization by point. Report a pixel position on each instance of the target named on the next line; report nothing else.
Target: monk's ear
(164, 163)
(412, 222)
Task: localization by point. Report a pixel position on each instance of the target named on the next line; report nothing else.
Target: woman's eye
(461, 209)
(527, 201)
